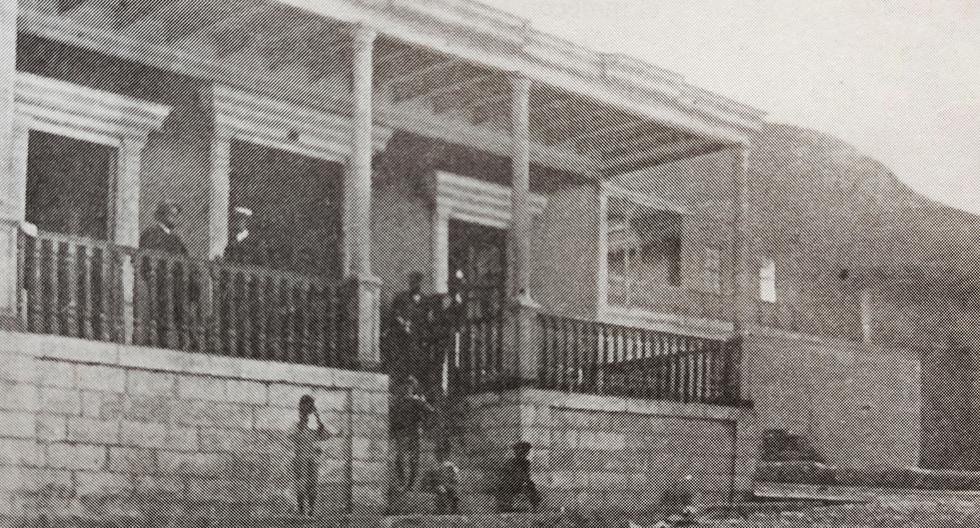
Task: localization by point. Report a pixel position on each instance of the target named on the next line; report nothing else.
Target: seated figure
(516, 485)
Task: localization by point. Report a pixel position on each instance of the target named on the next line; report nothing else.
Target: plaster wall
(860, 405)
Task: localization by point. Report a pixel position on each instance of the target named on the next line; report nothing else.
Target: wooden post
(742, 297)
(126, 226)
(12, 191)
(362, 318)
(220, 193)
(523, 332)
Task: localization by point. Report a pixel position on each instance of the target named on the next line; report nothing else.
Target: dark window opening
(68, 185)
(296, 205)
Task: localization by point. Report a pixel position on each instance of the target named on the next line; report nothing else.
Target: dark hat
(522, 446)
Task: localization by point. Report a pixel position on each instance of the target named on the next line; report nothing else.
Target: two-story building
(600, 199)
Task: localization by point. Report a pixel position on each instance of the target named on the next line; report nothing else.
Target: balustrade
(96, 290)
(591, 357)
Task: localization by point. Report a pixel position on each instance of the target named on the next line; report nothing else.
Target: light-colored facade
(602, 198)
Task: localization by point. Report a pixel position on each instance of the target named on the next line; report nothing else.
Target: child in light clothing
(310, 431)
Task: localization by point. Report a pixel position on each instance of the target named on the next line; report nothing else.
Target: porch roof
(442, 69)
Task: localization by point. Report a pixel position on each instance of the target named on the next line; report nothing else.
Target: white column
(126, 212)
(521, 214)
(363, 292)
(220, 193)
(440, 250)
(357, 183)
(742, 273)
(522, 345)
(12, 194)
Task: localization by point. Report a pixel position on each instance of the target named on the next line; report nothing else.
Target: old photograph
(489, 263)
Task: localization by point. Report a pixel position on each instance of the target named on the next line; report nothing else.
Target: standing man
(405, 339)
(409, 414)
(169, 293)
(161, 236)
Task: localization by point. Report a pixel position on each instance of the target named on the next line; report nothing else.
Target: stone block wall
(96, 429)
(606, 453)
(860, 405)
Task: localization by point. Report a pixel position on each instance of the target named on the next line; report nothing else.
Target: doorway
(478, 254)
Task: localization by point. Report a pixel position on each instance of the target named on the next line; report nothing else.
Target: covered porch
(423, 141)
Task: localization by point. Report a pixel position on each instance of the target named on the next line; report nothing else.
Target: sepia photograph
(489, 263)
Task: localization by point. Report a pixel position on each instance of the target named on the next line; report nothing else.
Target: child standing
(309, 432)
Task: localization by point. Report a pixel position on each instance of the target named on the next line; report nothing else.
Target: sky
(898, 79)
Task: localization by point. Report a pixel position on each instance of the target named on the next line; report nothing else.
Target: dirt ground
(887, 512)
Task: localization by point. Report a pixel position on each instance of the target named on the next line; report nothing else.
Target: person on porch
(161, 236)
(243, 246)
(405, 336)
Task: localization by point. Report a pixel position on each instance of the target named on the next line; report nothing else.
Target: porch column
(220, 191)
(11, 190)
(363, 288)
(126, 223)
(126, 210)
(744, 277)
(522, 337)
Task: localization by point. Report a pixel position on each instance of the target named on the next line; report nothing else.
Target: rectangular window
(767, 280)
(644, 250)
(712, 270)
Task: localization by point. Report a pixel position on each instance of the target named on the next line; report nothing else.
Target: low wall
(99, 430)
(607, 453)
(860, 405)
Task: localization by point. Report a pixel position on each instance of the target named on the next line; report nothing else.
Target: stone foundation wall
(95, 429)
(602, 452)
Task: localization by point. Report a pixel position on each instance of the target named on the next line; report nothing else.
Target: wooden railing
(70, 286)
(95, 290)
(478, 356)
(591, 357)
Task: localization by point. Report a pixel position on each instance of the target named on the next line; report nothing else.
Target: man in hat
(168, 318)
(515, 481)
(161, 236)
(406, 333)
(243, 247)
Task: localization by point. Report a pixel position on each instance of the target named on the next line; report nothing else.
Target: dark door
(478, 254)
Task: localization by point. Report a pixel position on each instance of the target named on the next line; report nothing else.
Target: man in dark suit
(406, 331)
(171, 288)
(161, 236)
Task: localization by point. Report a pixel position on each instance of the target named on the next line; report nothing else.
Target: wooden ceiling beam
(232, 23)
(442, 97)
(400, 85)
(487, 108)
(663, 154)
(640, 143)
(575, 141)
(136, 14)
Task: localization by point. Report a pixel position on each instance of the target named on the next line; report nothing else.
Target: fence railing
(592, 357)
(89, 289)
(478, 354)
(71, 287)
